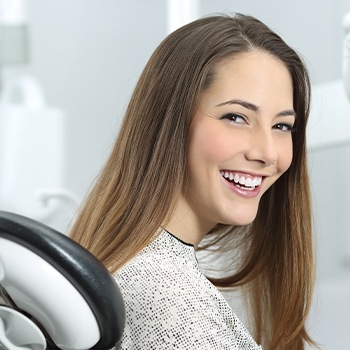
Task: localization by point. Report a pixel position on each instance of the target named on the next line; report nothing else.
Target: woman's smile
(244, 184)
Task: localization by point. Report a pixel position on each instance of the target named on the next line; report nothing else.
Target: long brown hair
(146, 171)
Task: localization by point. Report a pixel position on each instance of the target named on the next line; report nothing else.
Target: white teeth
(248, 182)
(241, 180)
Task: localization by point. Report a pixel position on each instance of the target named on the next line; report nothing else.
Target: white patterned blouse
(170, 304)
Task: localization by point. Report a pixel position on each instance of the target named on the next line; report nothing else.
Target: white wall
(88, 54)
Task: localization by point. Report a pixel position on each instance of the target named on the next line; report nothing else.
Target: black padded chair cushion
(80, 267)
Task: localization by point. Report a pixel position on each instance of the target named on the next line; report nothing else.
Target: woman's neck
(185, 225)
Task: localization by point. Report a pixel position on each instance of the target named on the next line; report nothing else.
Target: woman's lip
(245, 173)
(246, 192)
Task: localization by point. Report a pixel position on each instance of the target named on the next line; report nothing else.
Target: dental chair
(54, 294)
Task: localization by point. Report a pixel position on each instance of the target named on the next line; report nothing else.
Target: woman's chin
(240, 220)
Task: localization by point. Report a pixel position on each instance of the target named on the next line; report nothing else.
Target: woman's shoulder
(164, 259)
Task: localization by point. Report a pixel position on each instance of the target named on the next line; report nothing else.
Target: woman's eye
(235, 118)
(286, 127)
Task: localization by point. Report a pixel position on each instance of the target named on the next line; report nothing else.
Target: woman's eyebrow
(287, 113)
(255, 108)
(243, 103)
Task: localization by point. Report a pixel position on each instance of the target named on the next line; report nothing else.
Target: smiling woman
(248, 139)
(211, 153)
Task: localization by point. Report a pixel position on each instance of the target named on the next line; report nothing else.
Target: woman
(212, 150)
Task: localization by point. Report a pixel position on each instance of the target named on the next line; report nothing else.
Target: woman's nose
(262, 148)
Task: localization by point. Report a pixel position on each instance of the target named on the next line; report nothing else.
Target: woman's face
(240, 141)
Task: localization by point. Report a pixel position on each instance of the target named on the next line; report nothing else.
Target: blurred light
(180, 12)
(13, 32)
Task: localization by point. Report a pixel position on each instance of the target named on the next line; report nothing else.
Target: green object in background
(13, 43)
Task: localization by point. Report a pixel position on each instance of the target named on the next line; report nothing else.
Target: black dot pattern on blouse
(170, 304)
